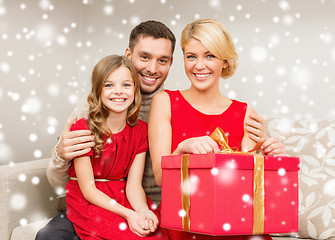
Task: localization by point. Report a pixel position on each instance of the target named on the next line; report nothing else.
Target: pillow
(314, 142)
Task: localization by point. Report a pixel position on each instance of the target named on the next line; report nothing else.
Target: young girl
(105, 198)
(181, 121)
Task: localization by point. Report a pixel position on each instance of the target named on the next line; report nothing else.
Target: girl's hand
(151, 220)
(273, 146)
(197, 145)
(135, 223)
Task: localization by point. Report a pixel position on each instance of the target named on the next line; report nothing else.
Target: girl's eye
(108, 85)
(127, 85)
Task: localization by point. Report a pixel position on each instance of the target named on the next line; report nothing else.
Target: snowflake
(18, 201)
(226, 227)
(123, 226)
(108, 10)
(281, 171)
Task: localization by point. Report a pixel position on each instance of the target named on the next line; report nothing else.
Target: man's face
(152, 59)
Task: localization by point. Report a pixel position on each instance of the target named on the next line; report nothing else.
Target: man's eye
(163, 61)
(144, 57)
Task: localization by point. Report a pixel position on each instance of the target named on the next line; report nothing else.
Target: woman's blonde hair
(98, 113)
(216, 39)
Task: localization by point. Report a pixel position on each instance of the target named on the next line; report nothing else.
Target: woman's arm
(160, 136)
(135, 193)
(84, 172)
(159, 132)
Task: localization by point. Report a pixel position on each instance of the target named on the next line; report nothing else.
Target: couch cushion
(314, 142)
(28, 231)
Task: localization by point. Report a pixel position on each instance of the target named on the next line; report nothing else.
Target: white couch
(27, 201)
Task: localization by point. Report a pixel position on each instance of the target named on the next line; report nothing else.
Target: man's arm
(255, 127)
(70, 145)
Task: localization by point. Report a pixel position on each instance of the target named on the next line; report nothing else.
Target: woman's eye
(210, 56)
(190, 57)
(108, 85)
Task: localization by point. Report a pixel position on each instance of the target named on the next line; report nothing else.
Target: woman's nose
(200, 64)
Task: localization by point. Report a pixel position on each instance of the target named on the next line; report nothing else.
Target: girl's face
(118, 90)
(201, 66)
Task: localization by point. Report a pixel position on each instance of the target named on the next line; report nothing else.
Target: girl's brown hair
(98, 113)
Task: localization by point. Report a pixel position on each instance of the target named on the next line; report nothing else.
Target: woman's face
(201, 66)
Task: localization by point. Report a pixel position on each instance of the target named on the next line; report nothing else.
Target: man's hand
(273, 146)
(256, 127)
(74, 144)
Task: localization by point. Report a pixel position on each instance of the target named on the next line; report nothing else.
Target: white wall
(48, 49)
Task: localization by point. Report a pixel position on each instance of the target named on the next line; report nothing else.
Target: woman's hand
(273, 146)
(138, 224)
(197, 145)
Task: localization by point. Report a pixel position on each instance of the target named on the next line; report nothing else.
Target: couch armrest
(25, 195)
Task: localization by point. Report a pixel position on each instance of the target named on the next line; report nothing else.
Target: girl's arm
(135, 193)
(93, 195)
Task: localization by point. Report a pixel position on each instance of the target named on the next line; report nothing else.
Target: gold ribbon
(185, 192)
(258, 207)
(220, 138)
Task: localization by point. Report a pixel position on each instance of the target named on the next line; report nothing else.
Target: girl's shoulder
(81, 124)
(141, 125)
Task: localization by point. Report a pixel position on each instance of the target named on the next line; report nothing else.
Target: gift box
(226, 194)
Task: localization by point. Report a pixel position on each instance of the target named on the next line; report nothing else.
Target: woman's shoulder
(239, 104)
(161, 97)
(81, 124)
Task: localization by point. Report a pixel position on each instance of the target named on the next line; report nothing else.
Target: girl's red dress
(91, 221)
(188, 122)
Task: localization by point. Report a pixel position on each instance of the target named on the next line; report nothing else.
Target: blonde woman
(181, 121)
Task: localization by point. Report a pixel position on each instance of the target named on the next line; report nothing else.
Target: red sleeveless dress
(188, 122)
(91, 221)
